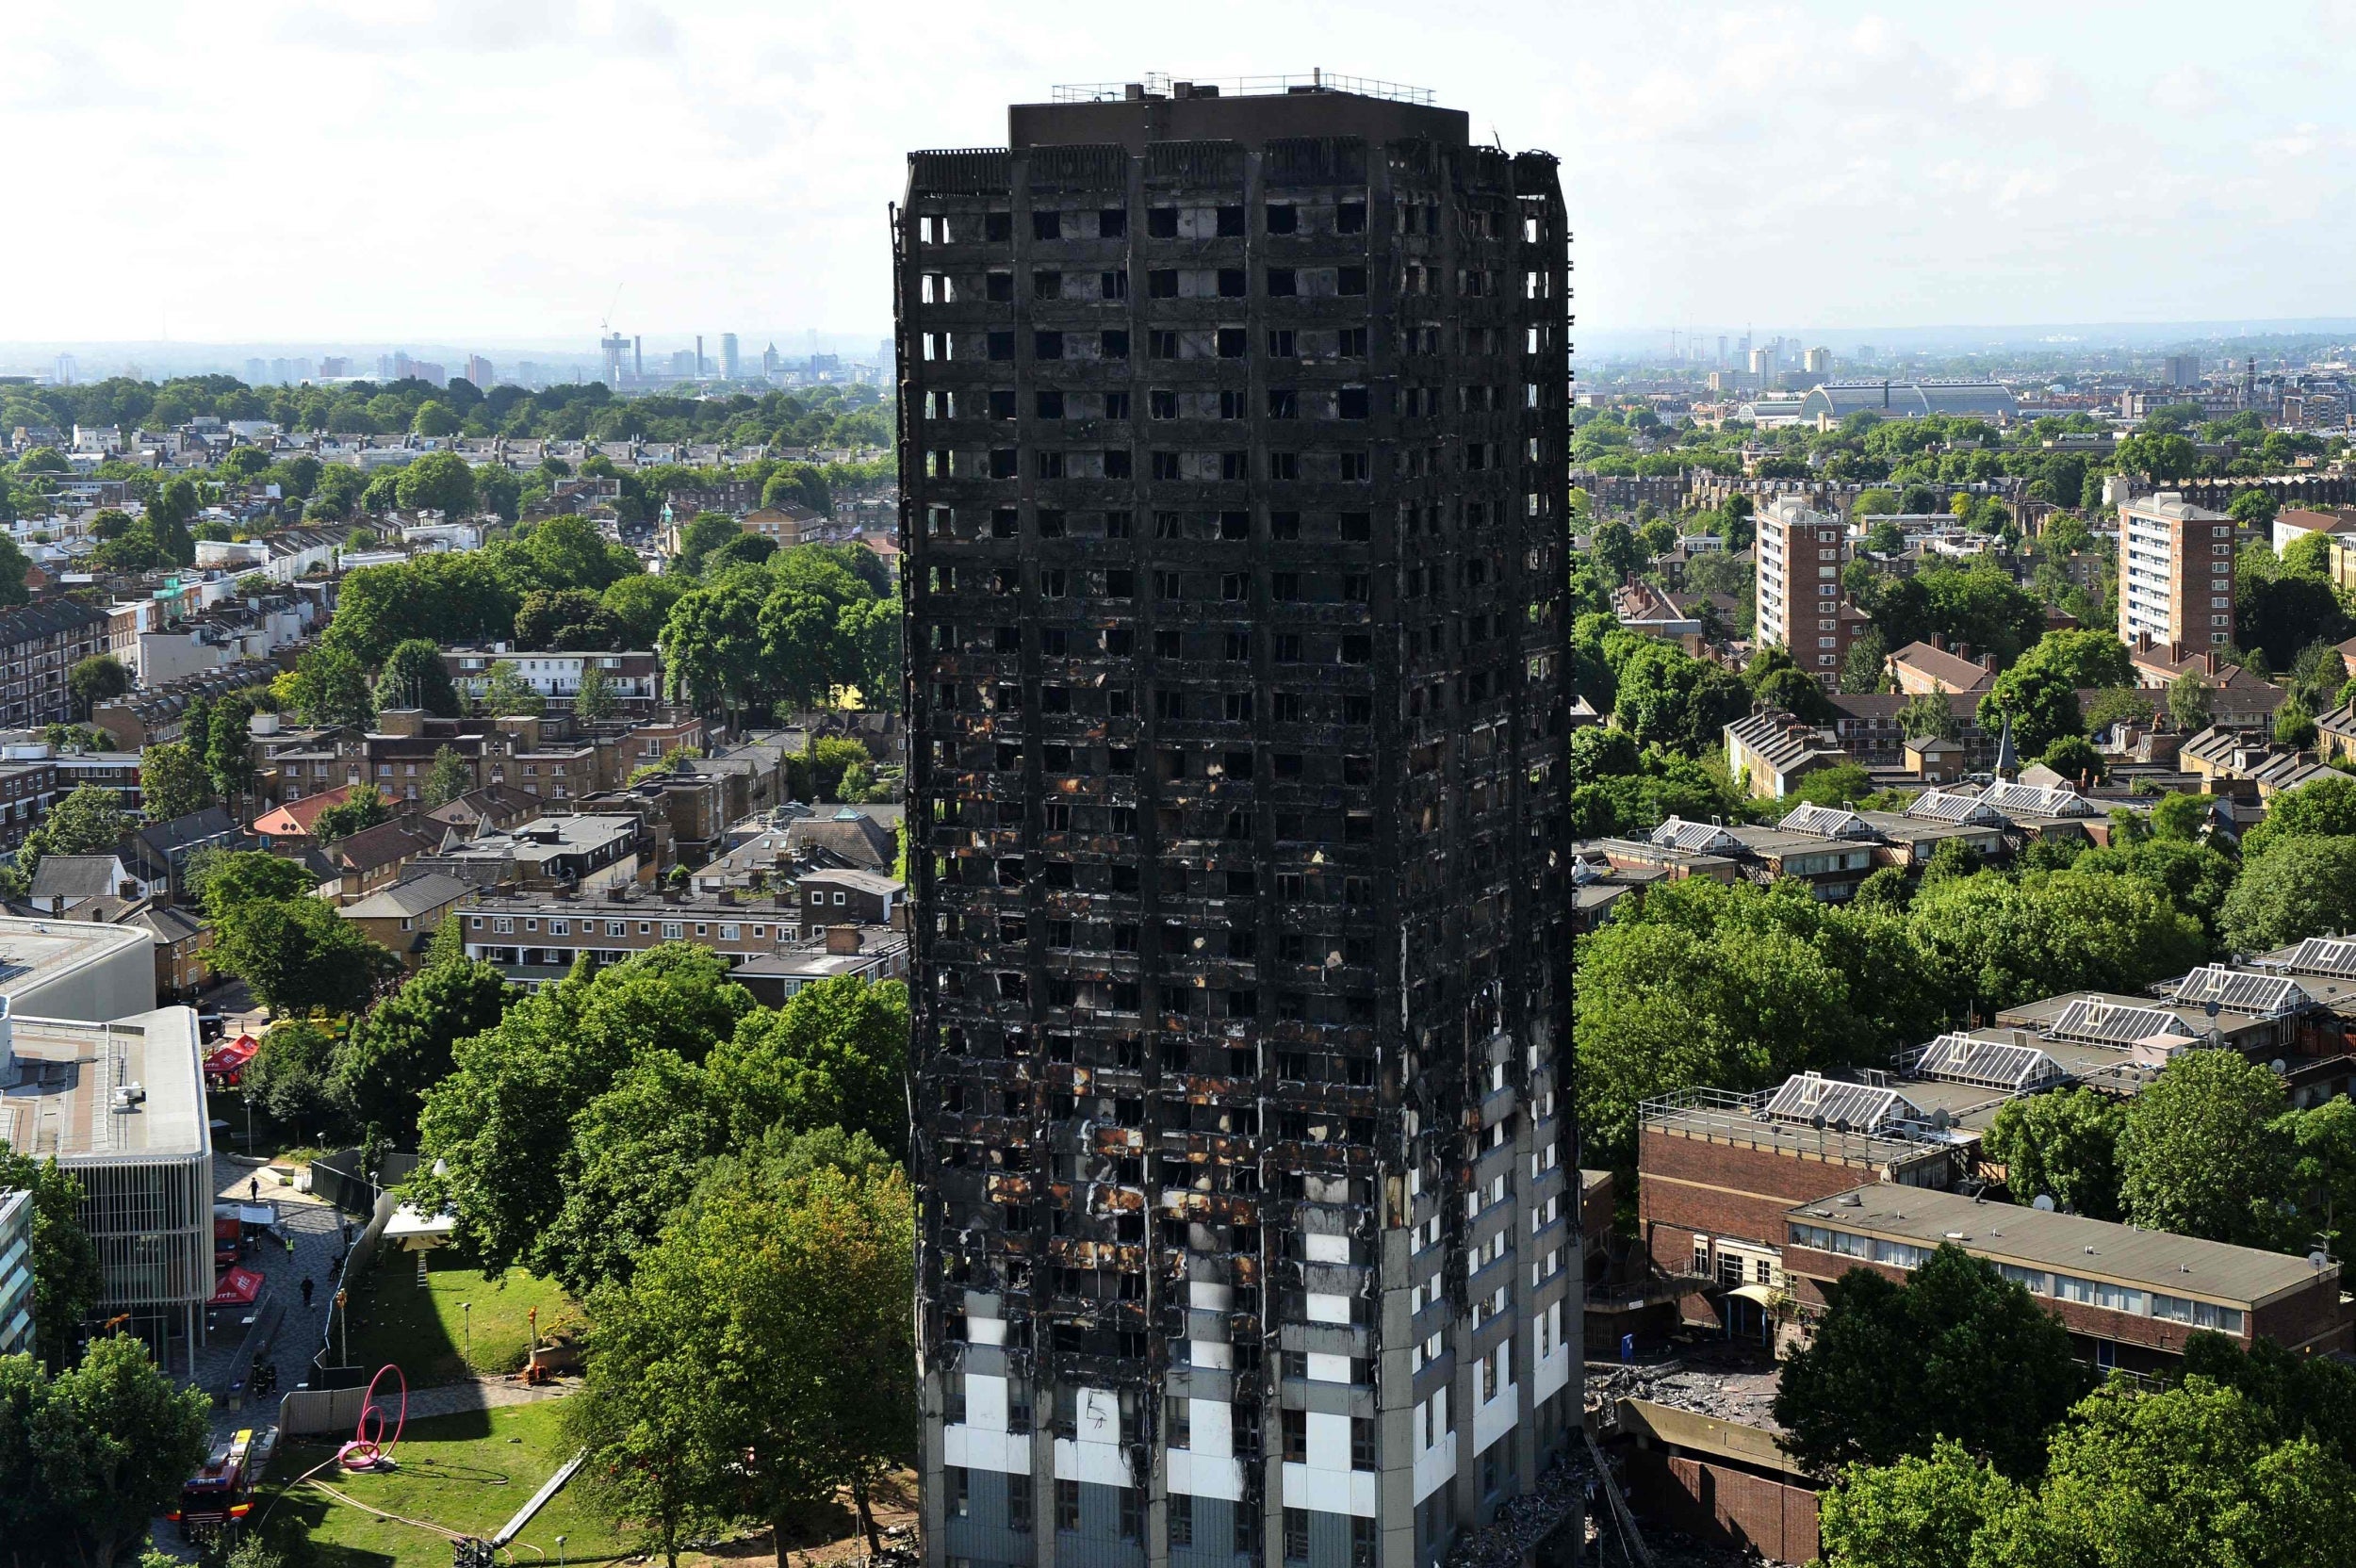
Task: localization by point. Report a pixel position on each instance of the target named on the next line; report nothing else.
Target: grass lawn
(428, 1332)
(465, 1473)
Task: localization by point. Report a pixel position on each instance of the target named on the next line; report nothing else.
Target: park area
(459, 1325)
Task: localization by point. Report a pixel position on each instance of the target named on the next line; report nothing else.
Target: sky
(488, 172)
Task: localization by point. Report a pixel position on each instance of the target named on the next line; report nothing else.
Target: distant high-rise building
(1820, 362)
(769, 360)
(527, 373)
(2175, 572)
(1801, 608)
(1722, 350)
(728, 367)
(256, 372)
(1250, 1199)
(683, 365)
(702, 365)
(334, 365)
(613, 346)
(480, 372)
(2180, 369)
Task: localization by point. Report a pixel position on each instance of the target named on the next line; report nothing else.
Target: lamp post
(560, 1552)
(468, 1308)
(343, 1326)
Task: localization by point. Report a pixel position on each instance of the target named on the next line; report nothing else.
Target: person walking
(253, 1189)
(306, 1290)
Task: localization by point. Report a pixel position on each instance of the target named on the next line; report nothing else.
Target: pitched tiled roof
(1949, 669)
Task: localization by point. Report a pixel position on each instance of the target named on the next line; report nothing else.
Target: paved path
(317, 1229)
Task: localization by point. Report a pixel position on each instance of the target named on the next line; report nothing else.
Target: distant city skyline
(485, 172)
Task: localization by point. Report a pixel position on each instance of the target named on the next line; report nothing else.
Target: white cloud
(492, 169)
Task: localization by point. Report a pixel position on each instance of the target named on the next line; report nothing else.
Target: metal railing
(1159, 84)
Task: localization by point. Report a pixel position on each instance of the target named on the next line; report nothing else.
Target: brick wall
(1687, 1186)
(1725, 1507)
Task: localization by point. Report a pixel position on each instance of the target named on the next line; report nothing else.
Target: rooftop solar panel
(1940, 806)
(2332, 956)
(2099, 1022)
(1827, 823)
(1991, 1064)
(2234, 991)
(2029, 800)
(1852, 1107)
(1677, 833)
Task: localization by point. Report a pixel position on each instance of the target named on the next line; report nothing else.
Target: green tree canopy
(415, 676)
(1956, 1351)
(64, 1260)
(227, 880)
(1919, 1512)
(96, 679)
(438, 482)
(2063, 1145)
(507, 692)
(365, 807)
(289, 1076)
(404, 1046)
(298, 953)
(173, 782)
(2302, 887)
(90, 1457)
(2325, 809)
(2200, 1153)
(1999, 943)
(450, 776)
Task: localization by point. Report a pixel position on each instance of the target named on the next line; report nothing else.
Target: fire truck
(216, 1500)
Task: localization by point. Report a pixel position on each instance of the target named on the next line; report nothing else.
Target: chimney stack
(1938, 641)
(843, 940)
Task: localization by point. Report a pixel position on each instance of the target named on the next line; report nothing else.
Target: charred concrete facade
(1233, 469)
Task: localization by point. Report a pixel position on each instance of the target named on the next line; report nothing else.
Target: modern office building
(2175, 571)
(1233, 464)
(1801, 606)
(16, 1271)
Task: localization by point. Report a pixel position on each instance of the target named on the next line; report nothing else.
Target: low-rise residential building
(375, 857)
(183, 947)
(588, 852)
(1932, 666)
(636, 677)
(832, 898)
(865, 952)
(532, 936)
(2237, 699)
(404, 917)
(2249, 762)
(1773, 751)
(38, 645)
(2129, 1297)
(72, 884)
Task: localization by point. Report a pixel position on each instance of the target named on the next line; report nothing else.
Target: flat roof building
(2175, 572)
(122, 1106)
(2131, 1297)
(1835, 400)
(75, 969)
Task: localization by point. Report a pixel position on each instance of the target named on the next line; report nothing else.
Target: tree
(1842, 784)
(2279, 615)
(1956, 1351)
(711, 647)
(1929, 713)
(364, 808)
(1994, 943)
(2041, 702)
(2306, 1395)
(64, 1261)
(2063, 1145)
(783, 1300)
(1666, 696)
(2200, 1154)
(2074, 758)
(90, 1457)
(2325, 809)
(639, 606)
(298, 953)
(403, 1046)
(2323, 1171)
(2184, 1478)
(227, 880)
(438, 482)
(646, 1419)
(86, 822)
(331, 688)
(448, 777)
(2159, 457)
(228, 740)
(2253, 509)
(98, 679)
(1918, 1513)
(289, 1076)
(2180, 816)
(2189, 704)
(1864, 668)
(502, 1121)
(596, 700)
(835, 1054)
(745, 549)
(14, 564)
(415, 676)
(173, 782)
(2300, 887)
(573, 620)
(2116, 704)
(506, 691)
(705, 532)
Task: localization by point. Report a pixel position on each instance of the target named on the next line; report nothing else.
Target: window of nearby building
(672, 930)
